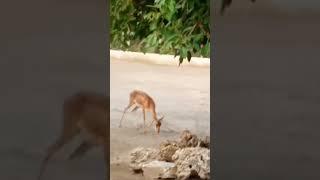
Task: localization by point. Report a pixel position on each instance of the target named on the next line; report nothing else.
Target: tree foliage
(179, 27)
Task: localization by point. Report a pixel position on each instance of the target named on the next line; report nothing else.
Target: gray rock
(141, 156)
(205, 143)
(160, 169)
(167, 150)
(192, 161)
(188, 158)
(144, 161)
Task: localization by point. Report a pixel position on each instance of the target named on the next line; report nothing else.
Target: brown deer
(87, 113)
(142, 100)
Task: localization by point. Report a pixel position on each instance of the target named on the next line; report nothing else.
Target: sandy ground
(181, 94)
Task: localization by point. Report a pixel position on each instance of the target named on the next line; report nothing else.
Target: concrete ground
(182, 95)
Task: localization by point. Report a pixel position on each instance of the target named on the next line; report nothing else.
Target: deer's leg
(154, 115)
(135, 108)
(125, 110)
(66, 136)
(144, 119)
(81, 150)
(151, 123)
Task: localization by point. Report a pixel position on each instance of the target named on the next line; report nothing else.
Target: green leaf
(205, 50)
(153, 26)
(183, 52)
(164, 26)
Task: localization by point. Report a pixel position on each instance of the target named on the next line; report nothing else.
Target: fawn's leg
(81, 150)
(151, 123)
(135, 108)
(125, 110)
(144, 119)
(66, 136)
(154, 115)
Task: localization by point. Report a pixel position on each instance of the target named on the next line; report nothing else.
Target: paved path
(181, 94)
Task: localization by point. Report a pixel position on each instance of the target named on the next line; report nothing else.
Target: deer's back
(142, 98)
(90, 112)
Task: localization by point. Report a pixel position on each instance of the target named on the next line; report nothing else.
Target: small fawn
(83, 112)
(142, 100)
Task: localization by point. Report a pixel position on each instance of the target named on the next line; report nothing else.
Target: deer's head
(158, 124)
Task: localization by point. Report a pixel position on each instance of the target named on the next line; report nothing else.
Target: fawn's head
(158, 124)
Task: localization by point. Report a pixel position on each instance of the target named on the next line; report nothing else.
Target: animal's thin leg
(135, 108)
(151, 123)
(125, 110)
(144, 119)
(55, 147)
(81, 150)
(154, 114)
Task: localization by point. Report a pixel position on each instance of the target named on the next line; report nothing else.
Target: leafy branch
(179, 27)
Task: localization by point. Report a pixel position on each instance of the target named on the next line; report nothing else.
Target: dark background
(267, 91)
(48, 50)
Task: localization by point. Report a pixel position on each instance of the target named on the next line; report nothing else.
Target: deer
(142, 100)
(83, 112)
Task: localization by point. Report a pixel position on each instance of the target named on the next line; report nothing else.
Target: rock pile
(167, 150)
(192, 162)
(141, 156)
(189, 157)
